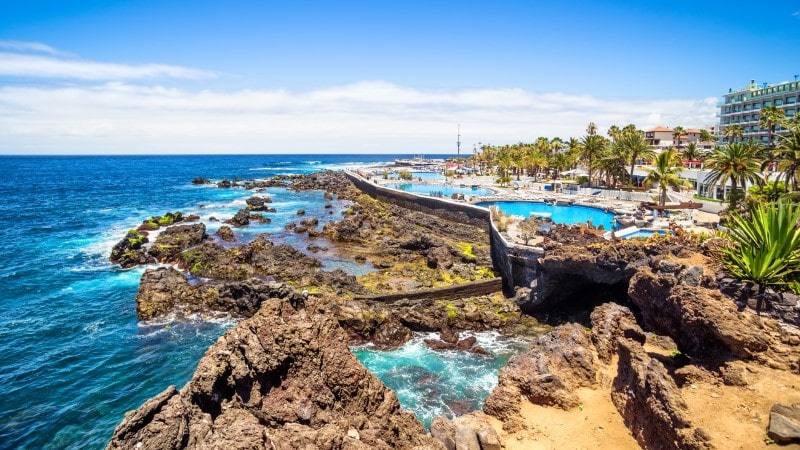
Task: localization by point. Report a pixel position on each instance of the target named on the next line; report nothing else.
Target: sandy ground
(737, 417)
(595, 424)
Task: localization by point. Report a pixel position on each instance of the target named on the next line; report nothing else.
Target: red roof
(660, 128)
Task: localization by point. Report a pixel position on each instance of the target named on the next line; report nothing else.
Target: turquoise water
(445, 190)
(73, 355)
(644, 234)
(567, 215)
(436, 176)
(432, 383)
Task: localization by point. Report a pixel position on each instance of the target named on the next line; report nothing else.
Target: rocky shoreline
(285, 378)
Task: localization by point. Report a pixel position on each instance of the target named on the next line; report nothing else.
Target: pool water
(644, 234)
(566, 215)
(445, 190)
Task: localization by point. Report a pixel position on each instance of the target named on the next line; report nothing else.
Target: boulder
(784, 424)
(611, 322)
(240, 219)
(201, 180)
(282, 379)
(257, 203)
(226, 233)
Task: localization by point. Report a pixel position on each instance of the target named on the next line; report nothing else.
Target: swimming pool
(566, 215)
(445, 190)
(644, 234)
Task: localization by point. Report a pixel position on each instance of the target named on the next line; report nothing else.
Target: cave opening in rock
(577, 297)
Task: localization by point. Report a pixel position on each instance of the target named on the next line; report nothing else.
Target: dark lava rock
(225, 184)
(176, 239)
(226, 234)
(201, 180)
(165, 290)
(301, 212)
(130, 251)
(257, 203)
(282, 379)
(241, 219)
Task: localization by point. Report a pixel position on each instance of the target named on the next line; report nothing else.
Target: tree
(633, 145)
(691, 152)
(766, 247)
(591, 147)
(788, 156)
(732, 132)
(706, 136)
(737, 163)
(771, 117)
(665, 174)
(677, 132)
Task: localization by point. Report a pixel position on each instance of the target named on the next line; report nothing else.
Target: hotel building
(742, 106)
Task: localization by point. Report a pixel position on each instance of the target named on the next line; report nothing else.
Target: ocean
(73, 356)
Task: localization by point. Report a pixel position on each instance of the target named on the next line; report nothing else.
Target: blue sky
(371, 76)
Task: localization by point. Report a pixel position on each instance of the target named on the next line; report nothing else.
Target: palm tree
(665, 173)
(592, 146)
(788, 155)
(732, 132)
(634, 146)
(738, 163)
(771, 117)
(766, 247)
(591, 129)
(706, 136)
(614, 132)
(677, 132)
(691, 152)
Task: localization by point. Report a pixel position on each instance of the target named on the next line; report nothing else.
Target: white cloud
(37, 60)
(28, 47)
(361, 117)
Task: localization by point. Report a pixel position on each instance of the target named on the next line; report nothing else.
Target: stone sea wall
(516, 264)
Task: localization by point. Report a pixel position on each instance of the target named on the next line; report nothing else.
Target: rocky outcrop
(176, 239)
(258, 203)
(557, 364)
(366, 321)
(651, 404)
(240, 219)
(165, 290)
(610, 323)
(130, 251)
(472, 431)
(201, 180)
(283, 379)
(705, 323)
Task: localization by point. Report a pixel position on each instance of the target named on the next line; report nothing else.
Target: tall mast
(458, 143)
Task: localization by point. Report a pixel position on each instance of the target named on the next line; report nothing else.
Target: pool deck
(527, 190)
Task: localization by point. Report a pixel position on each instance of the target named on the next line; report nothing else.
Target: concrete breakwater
(516, 264)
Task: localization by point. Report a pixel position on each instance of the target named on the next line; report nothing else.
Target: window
(778, 102)
(789, 113)
(790, 100)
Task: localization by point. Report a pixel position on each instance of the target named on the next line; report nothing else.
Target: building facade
(742, 107)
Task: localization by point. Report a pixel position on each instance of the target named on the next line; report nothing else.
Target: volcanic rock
(282, 379)
(130, 251)
(165, 290)
(240, 219)
(257, 203)
(175, 239)
(651, 404)
(226, 234)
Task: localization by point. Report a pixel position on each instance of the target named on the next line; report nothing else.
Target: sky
(168, 76)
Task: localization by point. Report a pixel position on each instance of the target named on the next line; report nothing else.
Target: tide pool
(441, 382)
